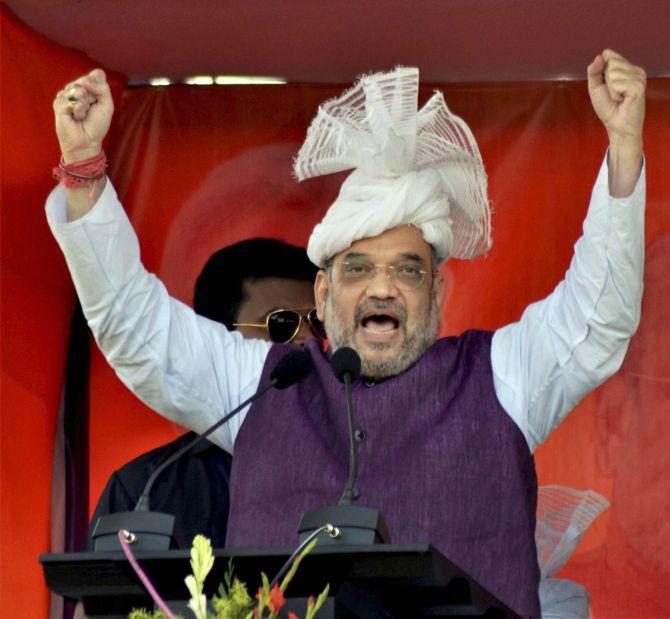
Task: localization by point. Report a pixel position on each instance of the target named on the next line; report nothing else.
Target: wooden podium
(376, 581)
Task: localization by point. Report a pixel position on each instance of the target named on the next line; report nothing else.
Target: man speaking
(447, 428)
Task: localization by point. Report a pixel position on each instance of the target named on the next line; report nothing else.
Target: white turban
(419, 168)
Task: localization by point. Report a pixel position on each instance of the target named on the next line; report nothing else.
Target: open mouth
(380, 323)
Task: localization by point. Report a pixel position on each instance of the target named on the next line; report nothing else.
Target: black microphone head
(291, 368)
(346, 361)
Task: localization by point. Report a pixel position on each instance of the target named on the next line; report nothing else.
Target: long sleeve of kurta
(192, 370)
(569, 343)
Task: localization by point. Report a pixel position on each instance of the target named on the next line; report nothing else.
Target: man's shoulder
(469, 338)
(469, 349)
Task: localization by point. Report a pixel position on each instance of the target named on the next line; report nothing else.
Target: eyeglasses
(283, 325)
(405, 275)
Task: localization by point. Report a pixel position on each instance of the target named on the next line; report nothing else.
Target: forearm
(80, 200)
(625, 166)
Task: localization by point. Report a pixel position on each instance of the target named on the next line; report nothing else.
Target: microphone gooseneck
(345, 523)
(346, 366)
(290, 369)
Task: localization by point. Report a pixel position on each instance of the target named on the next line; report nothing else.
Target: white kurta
(192, 370)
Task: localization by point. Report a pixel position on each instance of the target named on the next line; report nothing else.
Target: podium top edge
(283, 551)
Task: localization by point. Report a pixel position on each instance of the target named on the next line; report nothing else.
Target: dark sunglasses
(283, 325)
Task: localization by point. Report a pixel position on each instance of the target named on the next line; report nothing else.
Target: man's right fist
(83, 111)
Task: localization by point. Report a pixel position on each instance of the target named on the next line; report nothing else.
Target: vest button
(359, 435)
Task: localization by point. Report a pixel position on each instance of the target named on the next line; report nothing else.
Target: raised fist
(83, 111)
(617, 89)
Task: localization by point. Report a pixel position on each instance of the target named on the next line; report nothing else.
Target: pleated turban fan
(411, 167)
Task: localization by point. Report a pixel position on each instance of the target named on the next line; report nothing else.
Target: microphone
(346, 366)
(291, 368)
(345, 523)
(154, 529)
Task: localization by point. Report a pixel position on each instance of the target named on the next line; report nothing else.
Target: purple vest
(440, 458)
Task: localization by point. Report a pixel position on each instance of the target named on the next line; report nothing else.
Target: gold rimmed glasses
(283, 325)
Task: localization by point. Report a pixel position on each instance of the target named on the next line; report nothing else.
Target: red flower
(292, 615)
(277, 599)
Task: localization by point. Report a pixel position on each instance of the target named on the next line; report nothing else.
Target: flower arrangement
(232, 600)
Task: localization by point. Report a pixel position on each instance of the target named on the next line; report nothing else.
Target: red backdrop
(199, 168)
(37, 304)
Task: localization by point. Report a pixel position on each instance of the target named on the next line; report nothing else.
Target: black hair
(219, 289)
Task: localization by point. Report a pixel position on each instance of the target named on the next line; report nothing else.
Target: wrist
(74, 156)
(625, 145)
(81, 172)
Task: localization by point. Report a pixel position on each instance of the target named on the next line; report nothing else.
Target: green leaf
(229, 576)
(322, 598)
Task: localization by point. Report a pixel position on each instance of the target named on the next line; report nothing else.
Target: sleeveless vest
(440, 458)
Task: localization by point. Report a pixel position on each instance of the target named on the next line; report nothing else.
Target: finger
(96, 83)
(594, 72)
(619, 75)
(624, 80)
(62, 105)
(610, 54)
(618, 70)
(79, 101)
(79, 93)
(626, 87)
(98, 76)
(80, 109)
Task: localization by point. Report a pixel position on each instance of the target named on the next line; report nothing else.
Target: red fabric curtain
(37, 304)
(199, 168)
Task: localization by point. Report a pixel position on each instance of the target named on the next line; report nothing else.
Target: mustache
(380, 304)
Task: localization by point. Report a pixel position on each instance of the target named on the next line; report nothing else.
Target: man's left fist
(617, 90)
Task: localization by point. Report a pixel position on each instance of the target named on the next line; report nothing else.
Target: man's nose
(381, 285)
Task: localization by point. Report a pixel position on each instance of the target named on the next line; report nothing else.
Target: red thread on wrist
(81, 173)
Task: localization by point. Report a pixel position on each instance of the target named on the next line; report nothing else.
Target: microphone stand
(346, 523)
(350, 493)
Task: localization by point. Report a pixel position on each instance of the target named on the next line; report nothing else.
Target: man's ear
(321, 290)
(439, 290)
